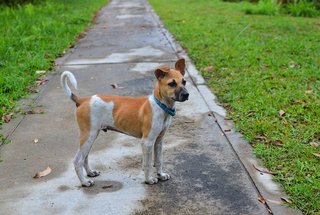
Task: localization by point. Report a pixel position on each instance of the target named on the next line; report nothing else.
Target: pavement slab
(123, 47)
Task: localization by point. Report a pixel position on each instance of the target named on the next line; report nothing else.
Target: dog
(147, 118)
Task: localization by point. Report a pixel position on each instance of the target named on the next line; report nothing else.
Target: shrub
(302, 8)
(14, 3)
(264, 7)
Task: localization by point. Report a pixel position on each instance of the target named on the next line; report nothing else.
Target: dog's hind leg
(81, 158)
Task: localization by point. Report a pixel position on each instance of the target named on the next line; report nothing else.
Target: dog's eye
(184, 82)
(172, 84)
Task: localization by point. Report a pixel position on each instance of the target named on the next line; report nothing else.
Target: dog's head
(171, 82)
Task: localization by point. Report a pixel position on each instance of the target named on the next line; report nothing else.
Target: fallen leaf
(314, 144)
(7, 118)
(251, 113)
(107, 186)
(308, 91)
(297, 101)
(282, 113)
(287, 200)
(227, 130)
(43, 173)
(278, 202)
(261, 137)
(208, 68)
(38, 72)
(35, 111)
(116, 86)
(269, 210)
(276, 143)
(292, 64)
(263, 169)
(227, 118)
(41, 81)
(317, 155)
(264, 67)
(36, 140)
(261, 199)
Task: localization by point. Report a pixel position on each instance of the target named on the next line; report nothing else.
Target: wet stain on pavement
(139, 86)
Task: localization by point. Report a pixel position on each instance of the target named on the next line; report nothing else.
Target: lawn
(32, 37)
(266, 71)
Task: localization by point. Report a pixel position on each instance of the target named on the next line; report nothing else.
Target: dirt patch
(131, 162)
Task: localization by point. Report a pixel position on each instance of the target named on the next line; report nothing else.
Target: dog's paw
(164, 176)
(93, 173)
(151, 180)
(88, 183)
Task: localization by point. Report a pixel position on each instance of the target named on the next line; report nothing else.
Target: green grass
(32, 36)
(261, 65)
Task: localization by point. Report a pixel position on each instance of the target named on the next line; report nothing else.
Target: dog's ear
(161, 72)
(181, 66)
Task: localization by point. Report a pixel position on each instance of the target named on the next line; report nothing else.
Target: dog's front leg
(158, 159)
(147, 146)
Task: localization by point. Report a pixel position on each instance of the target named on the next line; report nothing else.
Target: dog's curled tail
(65, 76)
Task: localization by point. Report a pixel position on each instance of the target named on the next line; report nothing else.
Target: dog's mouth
(179, 100)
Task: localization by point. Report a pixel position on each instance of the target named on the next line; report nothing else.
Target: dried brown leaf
(282, 113)
(264, 67)
(261, 137)
(286, 200)
(297, 101)
(41, 81)
(261, 199)
(7, 118)
(308, 91)
(263, 169)
(208, 68)
(276, 143)
(251, 113)
(35, 111)
(43, 173)
(227, 130)
(314, 144)
(317, 155)
(278, 202)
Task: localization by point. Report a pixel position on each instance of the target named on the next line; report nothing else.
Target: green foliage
(15, 3)
(264, 7)
(260, 66)
(302, 8)
(33, 35)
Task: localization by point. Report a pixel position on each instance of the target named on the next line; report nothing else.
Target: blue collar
(170, 111)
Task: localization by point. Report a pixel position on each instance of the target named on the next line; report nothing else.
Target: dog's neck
(165, 100)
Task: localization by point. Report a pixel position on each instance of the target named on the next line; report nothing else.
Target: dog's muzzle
(182, 95)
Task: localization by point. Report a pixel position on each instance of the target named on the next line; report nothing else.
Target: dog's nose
(185, 95)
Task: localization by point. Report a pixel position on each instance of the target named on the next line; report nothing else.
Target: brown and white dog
(145, 117)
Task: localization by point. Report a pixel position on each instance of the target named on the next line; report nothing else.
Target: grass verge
(33, 36)
(266, 71)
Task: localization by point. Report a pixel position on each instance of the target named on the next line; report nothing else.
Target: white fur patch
(101, 113)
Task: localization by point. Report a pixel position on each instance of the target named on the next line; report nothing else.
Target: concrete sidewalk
(209, 167)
